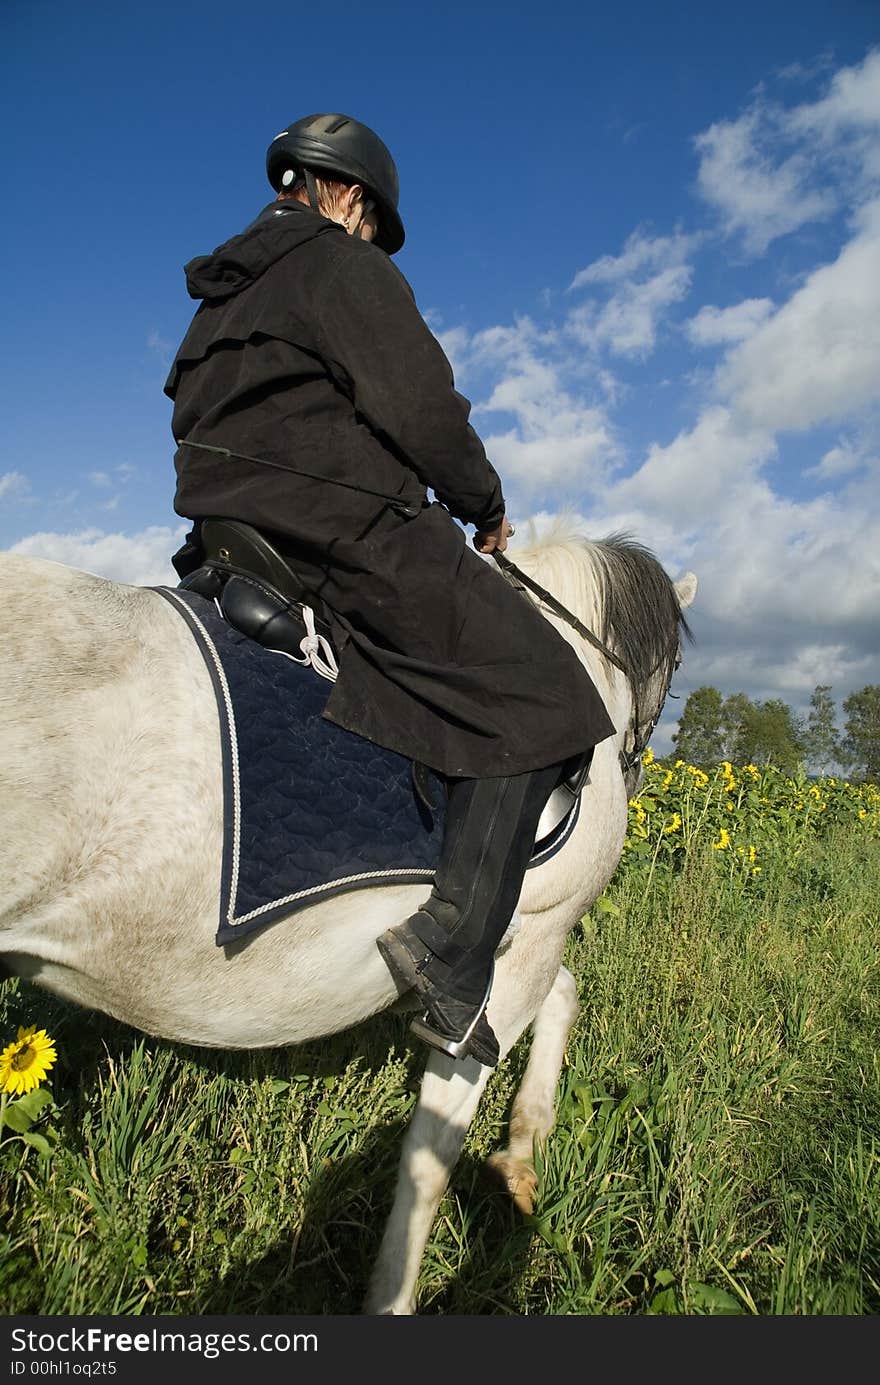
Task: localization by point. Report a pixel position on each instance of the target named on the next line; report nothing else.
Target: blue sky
(648, 237)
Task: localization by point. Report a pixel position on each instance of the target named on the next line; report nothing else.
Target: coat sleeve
(393, 368)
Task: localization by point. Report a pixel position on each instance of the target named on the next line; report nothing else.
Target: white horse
(110, 780)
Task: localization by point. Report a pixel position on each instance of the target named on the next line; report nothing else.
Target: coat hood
(232, 267)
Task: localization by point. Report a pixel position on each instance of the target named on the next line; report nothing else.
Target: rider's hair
(329, 190)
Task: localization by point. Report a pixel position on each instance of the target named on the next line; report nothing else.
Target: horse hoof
(518, 1178)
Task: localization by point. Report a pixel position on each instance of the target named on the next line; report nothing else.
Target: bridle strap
(516, 576)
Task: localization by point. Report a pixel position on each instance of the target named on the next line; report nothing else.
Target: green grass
(716, 1149)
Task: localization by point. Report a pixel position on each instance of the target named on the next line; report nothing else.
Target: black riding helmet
(336, 144)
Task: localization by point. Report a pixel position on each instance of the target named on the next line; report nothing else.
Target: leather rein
(629, 760)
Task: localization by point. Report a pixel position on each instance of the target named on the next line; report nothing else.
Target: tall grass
(716, 1149)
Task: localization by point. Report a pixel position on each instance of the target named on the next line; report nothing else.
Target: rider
(308, 354)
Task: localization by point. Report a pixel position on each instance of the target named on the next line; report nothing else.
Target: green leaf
(606, 906)
(239, 1156)
(219, 1238)
(712, 1299)
(665, 1303)
(38, 1142)
(34, 1101)
(139, 1256)
(278, 1085)
(640, 848)
(664, 1278)
(17, 1119)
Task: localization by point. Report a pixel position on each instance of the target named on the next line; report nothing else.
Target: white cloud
(641, 252)
(503, 345)
(720, 326)
(648, 277)
(788, 586)
(841, 460)
(830, 664)
(560, 436)
(100, 478)
(455, 344)
(627, 324)
(847, 119)
(754, 190)
(789, 566)
(13, 483)
(529, 390)
(141, 559)
(161, 348)
(773, 170)
(698, 474)
(818, 358)
(557, 457)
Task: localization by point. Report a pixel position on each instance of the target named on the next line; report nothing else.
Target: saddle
(256, 589)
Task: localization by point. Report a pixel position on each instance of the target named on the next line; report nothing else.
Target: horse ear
(686, 589)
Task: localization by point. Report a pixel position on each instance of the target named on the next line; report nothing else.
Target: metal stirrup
(456, 1048)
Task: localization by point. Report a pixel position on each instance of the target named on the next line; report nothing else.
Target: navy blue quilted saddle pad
(310, 810)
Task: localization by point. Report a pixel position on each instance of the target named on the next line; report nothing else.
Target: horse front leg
(450, 1094)
(534, 1107)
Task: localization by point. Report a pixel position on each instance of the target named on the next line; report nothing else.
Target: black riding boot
(445, 951)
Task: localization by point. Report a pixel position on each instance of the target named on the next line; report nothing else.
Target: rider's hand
(493, 538)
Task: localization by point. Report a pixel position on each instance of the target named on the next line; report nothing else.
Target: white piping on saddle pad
(317, 651)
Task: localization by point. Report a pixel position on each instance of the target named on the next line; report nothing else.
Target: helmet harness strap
(311, 188)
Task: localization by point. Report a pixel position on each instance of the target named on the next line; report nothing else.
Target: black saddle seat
(257, 589)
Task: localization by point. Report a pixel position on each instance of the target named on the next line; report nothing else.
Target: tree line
(714, 728)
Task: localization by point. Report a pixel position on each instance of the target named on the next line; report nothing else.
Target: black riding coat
(308, 351)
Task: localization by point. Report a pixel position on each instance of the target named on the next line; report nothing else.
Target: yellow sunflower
(24, 1063)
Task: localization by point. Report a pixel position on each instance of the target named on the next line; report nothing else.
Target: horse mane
(617, 587)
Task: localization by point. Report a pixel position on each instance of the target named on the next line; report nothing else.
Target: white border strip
(233, 738)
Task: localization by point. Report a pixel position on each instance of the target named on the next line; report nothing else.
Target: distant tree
(700, 736)
(735, 712)
(821, 748)
(861, 741)
(761, 733)
(776, 736)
